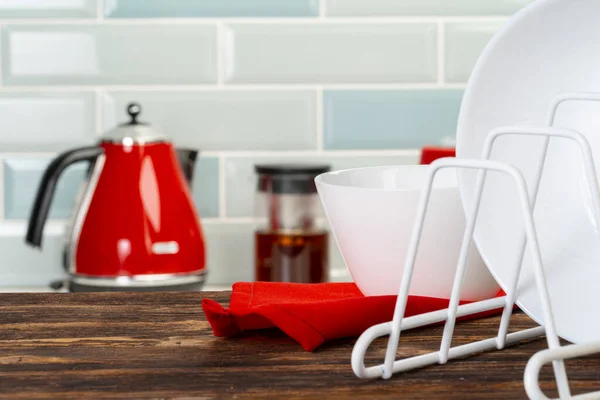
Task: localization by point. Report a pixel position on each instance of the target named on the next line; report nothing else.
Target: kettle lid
(134, 131)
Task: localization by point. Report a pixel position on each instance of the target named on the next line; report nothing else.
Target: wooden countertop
(159, 345)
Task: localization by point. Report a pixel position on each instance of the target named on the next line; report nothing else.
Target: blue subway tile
(390, 119)
(422, 7)
(21, 179)
(210, 8)
(205, 187)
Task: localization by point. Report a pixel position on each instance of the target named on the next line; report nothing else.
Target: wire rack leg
(537, 361)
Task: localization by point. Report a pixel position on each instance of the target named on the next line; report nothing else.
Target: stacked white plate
(549, 48)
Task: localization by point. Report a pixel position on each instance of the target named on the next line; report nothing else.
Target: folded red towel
(309, 313)
(431, 153)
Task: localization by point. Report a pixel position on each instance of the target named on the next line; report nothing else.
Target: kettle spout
(187, 161)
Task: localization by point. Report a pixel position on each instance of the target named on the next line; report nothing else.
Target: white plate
(549, 48)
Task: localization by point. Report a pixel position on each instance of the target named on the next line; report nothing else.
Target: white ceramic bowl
(372, 211)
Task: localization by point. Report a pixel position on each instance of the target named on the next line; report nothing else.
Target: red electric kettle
(135, 227)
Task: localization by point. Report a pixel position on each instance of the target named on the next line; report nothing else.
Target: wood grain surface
(159, 345)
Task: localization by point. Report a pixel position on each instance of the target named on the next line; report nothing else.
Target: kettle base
(187, 287)
(141, 283)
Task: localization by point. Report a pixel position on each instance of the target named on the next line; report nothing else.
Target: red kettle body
(136, 227)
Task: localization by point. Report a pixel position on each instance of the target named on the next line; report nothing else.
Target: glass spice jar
(290, 245)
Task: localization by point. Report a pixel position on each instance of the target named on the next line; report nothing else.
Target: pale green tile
(46, 121)
(224, 119)
(240, 178)
(230, 250)
(330, 53)
(48, 8)
(92, 54)
(464, 44)
(24, 266)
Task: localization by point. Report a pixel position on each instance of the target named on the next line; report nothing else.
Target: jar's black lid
(291, 169)
(289, 178)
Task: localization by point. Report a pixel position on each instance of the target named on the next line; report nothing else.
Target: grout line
(2, 184)
(220, 49)
(19, 227)
(312, 153)
(99, 111)
(236, 220)
(236, 87)
(254, 20)
(255, 153)
(320, 122)
(222, 191)
(28, 154)
(2, 58)
(227, 54)
(22, 222)
(100, 10)
(441, 53)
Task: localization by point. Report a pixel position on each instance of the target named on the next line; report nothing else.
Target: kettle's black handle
(43, 200)
(187, 160)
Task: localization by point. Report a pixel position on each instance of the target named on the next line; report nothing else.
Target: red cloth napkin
(431, 153)
(311, 314)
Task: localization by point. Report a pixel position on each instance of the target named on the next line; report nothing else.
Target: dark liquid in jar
(291, 257)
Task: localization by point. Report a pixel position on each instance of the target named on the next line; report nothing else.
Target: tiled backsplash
(347, 82)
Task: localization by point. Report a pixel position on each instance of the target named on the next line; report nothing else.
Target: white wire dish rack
(555, 352)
